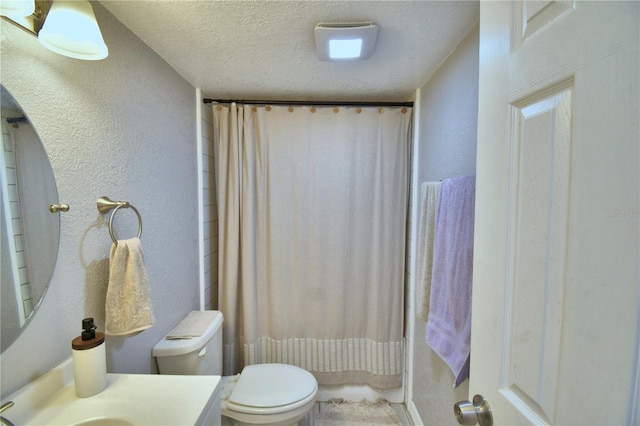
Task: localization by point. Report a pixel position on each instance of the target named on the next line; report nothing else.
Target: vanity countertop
(129, 399)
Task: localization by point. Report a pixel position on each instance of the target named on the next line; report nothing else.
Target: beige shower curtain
(312, 210)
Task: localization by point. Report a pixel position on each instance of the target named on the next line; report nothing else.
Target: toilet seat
(271, 389)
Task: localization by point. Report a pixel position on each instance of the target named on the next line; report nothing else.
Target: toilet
(262, 394)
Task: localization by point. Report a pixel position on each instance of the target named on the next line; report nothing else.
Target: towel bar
(105, 204)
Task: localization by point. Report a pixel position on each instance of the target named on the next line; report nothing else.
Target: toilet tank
(200, 354)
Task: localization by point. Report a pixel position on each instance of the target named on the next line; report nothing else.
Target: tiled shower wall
(210, 211)
(16, 220)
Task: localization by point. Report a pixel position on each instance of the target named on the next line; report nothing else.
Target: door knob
(478, 412)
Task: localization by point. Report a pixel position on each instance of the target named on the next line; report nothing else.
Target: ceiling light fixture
(345, 41)
(71, 29)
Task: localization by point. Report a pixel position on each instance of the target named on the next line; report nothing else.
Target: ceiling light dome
(346, 41)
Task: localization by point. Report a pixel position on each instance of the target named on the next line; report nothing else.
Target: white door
(555, 331)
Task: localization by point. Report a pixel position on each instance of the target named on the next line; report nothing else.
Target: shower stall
(345, 245)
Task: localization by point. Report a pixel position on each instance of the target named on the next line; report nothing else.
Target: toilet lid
(264, 387)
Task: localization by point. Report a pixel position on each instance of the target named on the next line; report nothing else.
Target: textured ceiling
(266, 49)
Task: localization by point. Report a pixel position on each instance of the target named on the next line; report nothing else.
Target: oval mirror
(30, 233)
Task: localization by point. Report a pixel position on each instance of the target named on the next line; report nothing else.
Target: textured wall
(123, 127)
(448, 120)
(449, 115)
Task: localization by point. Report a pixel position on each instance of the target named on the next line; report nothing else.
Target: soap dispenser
(89, 361)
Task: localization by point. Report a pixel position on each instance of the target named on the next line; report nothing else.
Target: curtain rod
(318, 103)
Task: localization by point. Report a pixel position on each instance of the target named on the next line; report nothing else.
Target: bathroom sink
(93, 411)
(129, 399)
(107, 421)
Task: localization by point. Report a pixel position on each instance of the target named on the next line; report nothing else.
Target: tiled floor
(400, 410)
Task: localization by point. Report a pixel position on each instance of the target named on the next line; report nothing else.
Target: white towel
(194, 325)
(430, 192)
(128, 305)
(448, 329)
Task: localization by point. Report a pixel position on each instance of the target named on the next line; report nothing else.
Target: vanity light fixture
(21, 12)
(71, 29)
(345, 41)
(17, 8)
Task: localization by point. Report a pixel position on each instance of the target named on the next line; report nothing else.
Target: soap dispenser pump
(89, 361)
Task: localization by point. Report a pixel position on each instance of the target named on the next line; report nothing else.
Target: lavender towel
(448, 330)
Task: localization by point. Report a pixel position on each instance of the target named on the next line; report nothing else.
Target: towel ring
(105, 204)
(113, 235)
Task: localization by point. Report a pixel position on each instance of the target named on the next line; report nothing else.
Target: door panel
(541, 143)
(534, 15)
(556, 259)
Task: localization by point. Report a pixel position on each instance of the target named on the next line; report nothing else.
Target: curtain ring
(113, 235)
